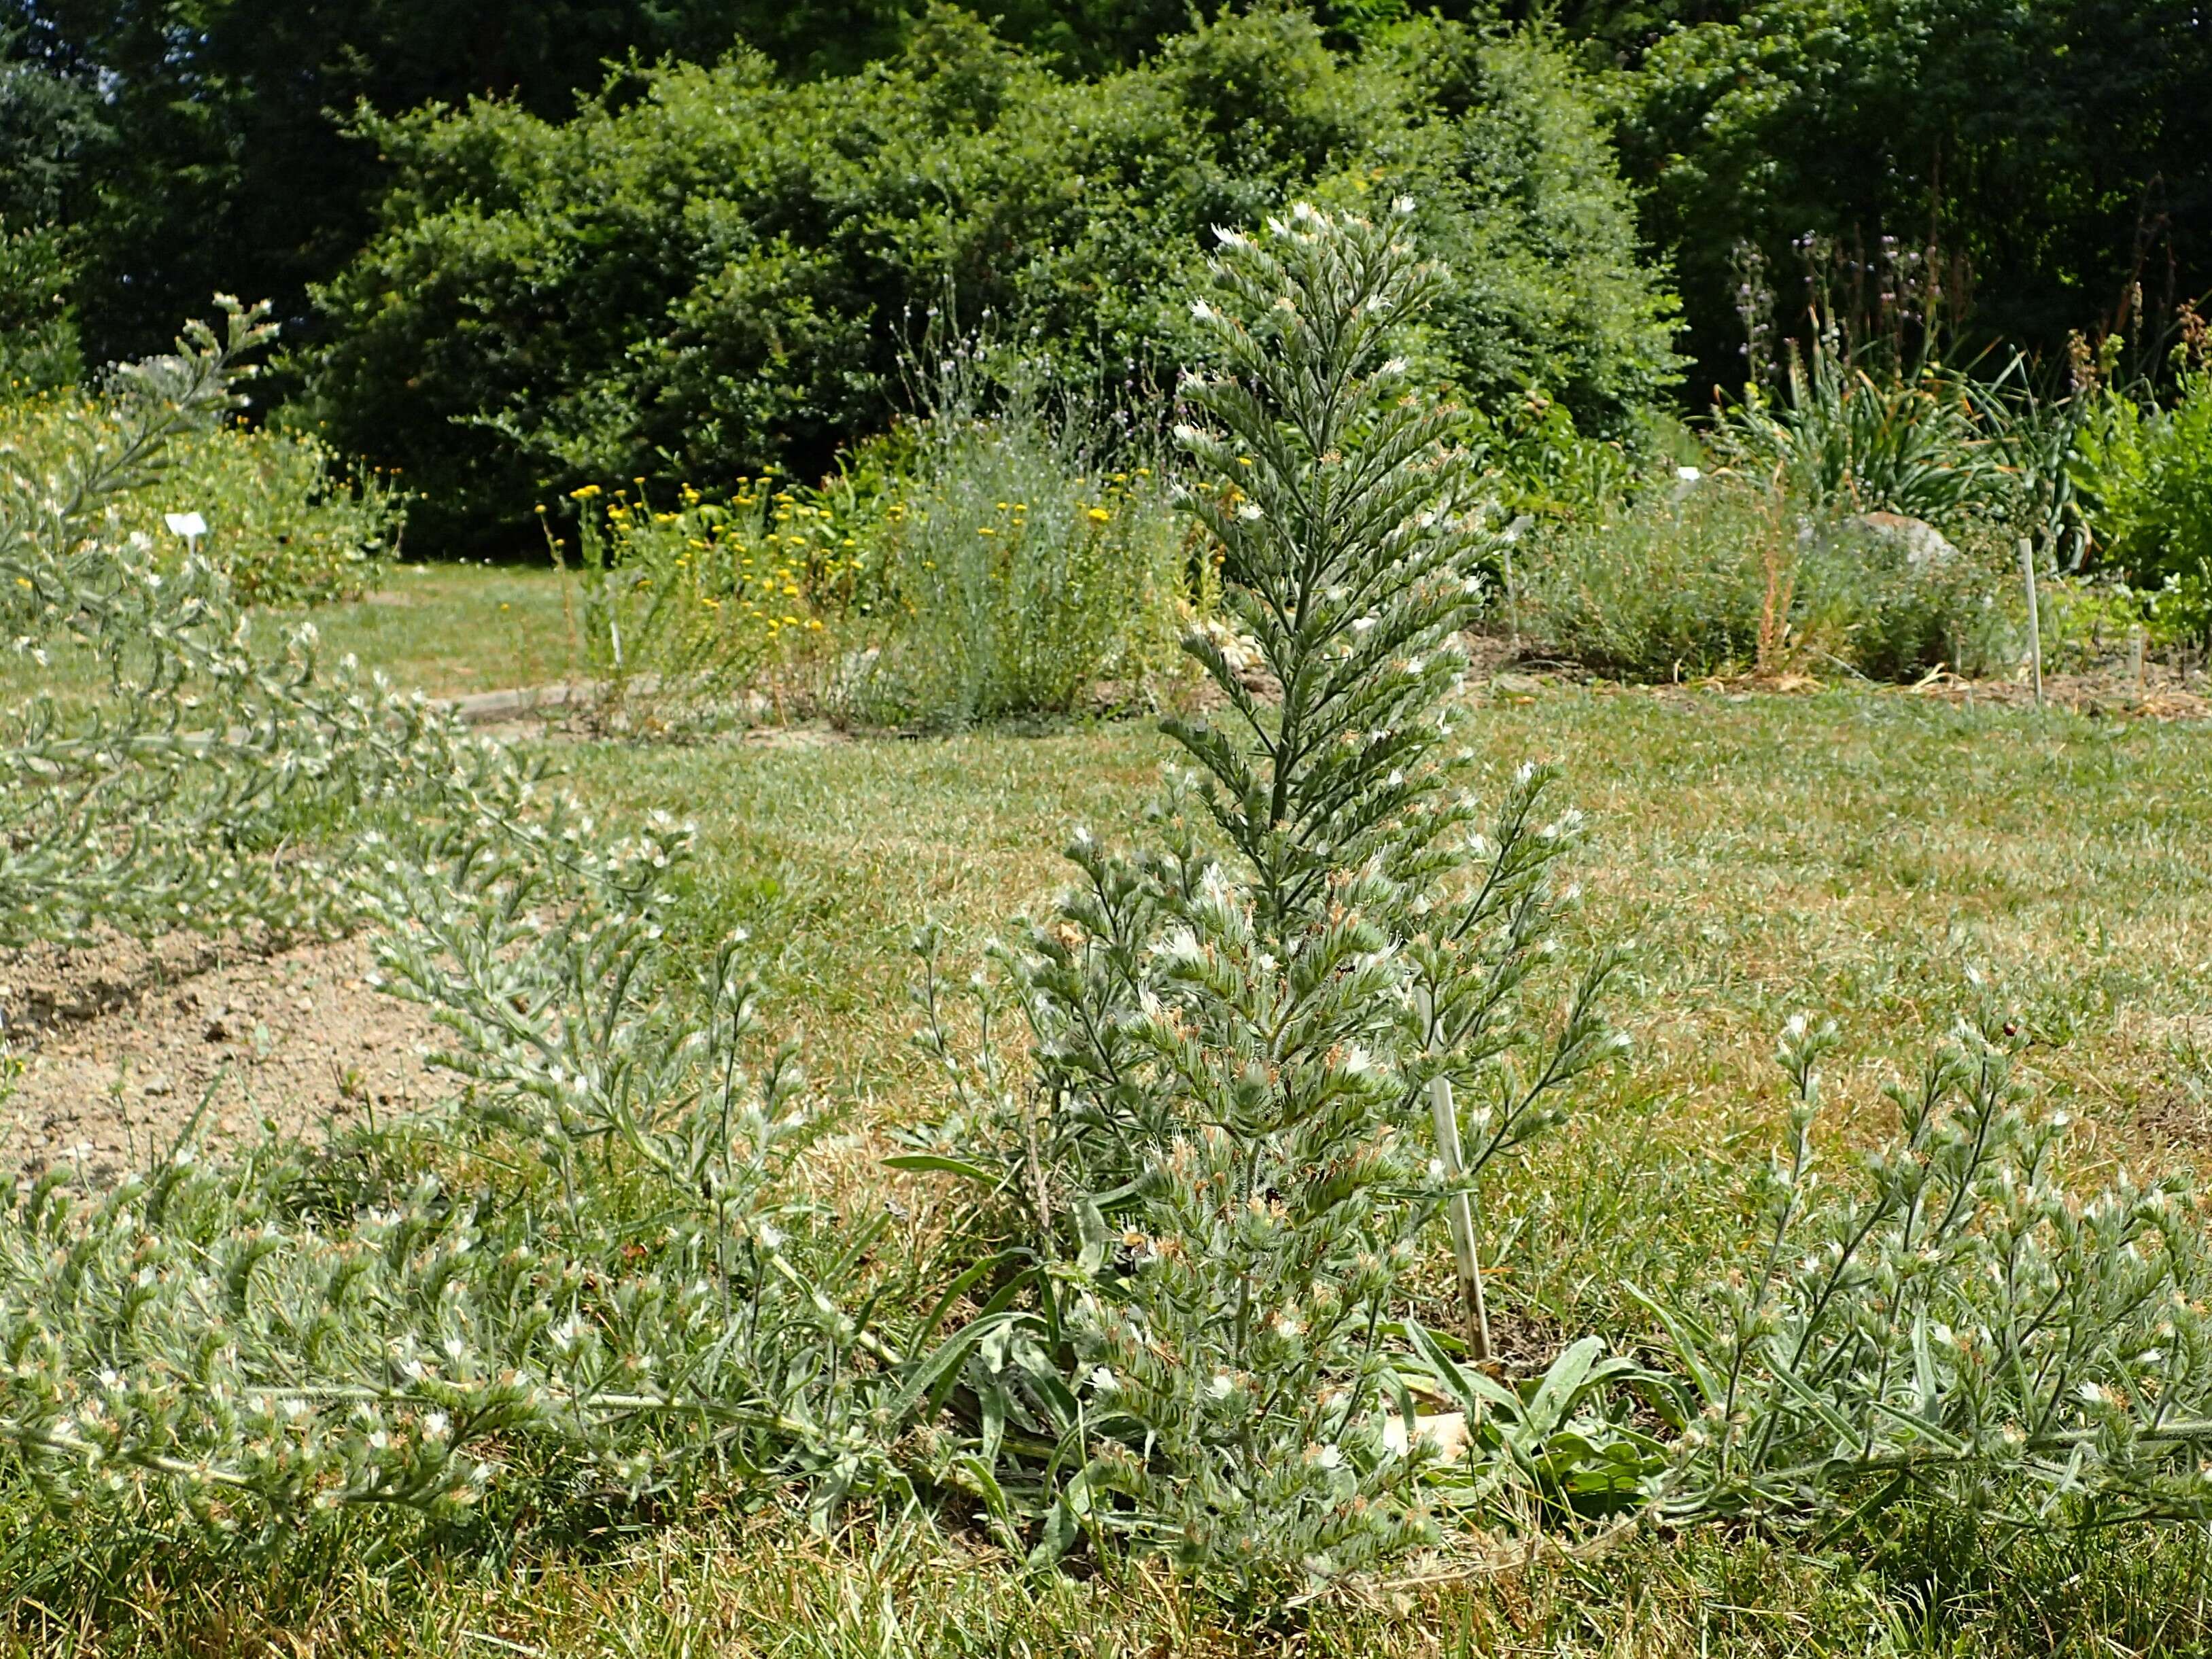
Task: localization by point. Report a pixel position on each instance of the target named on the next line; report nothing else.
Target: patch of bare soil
(2163, 695)
(118, 1046)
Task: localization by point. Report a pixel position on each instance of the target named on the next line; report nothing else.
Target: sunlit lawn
(1869, 855)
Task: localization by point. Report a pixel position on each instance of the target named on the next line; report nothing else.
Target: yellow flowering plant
(699, 602)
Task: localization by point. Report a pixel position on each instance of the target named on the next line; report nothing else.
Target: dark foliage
(721, 271)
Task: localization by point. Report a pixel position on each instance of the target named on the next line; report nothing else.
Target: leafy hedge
(2056, 153)
(710, 269)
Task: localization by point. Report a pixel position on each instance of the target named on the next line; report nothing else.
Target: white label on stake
(187, 525)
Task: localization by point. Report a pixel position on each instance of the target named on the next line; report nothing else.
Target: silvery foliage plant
(600, 1283)
(1213, 1179)
(598, 1288)
(183, 797)
(1956, 1322)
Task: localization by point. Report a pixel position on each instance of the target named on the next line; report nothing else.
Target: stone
(1926, 548)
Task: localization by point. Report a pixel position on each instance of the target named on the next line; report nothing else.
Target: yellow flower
(1099, 515)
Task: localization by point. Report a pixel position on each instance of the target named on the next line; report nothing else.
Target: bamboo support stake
(2135, 657)
(2034, 622)
(1460, 1210)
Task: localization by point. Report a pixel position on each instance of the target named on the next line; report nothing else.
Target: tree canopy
(2052, 158)
(719, 268)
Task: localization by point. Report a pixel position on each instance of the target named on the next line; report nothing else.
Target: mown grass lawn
(447, 630)
(1873, 856)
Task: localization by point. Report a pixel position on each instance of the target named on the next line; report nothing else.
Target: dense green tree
(49, 122)
(720, 270)
(229, 164)
(228, 161)
(2058, 154)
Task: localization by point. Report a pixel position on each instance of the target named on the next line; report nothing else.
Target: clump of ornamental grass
(1029, 565)
(1731, 574)
(1274, 1044)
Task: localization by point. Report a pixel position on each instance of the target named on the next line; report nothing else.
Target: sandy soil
(118, 1045)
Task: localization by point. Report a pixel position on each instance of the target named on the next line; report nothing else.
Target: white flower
(1688, 474)
(1104, 1381)
(1201, 310)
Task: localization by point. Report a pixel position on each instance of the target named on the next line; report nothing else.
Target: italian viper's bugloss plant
(598, 1284)
(1214, 1180)
(1956, 1323)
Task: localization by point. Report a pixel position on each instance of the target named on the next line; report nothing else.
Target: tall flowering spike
(1351, 528)
(1222, 1164)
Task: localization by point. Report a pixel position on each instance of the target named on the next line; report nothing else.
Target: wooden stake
(1514, 531)
(2034, 623)
(2135, 657)
(1512, 606)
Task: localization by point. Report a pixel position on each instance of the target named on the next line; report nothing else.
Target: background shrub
(2147, 473)
(288, 521)
(708, 269)
(38, 328)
